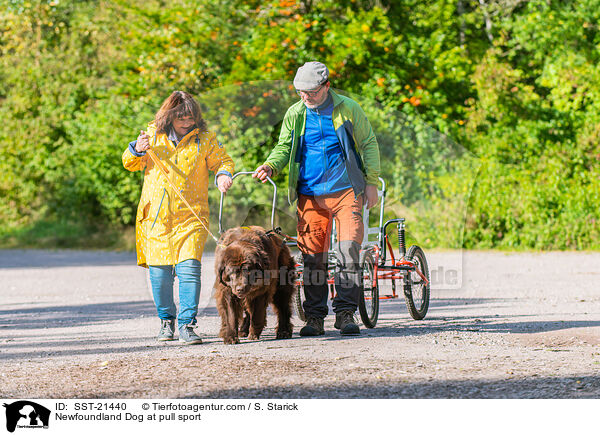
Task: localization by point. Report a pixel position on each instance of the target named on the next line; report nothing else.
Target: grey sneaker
(314, 326)
(188, 336)
(344, 321)
(167, 329)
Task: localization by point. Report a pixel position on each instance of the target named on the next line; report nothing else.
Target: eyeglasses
(310, 93)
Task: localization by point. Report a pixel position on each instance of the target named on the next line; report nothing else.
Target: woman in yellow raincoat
(169, 238)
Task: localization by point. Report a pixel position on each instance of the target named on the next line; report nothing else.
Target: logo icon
(26, 414)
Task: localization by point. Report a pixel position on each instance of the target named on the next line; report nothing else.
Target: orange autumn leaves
(413, 100)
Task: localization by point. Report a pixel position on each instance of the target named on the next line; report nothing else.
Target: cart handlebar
(272, 208)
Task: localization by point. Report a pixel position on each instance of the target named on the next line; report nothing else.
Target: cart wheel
(368, 304)
(416, 291)
(299, 296)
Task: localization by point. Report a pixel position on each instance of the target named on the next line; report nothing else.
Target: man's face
(184, 125)
(313, 99)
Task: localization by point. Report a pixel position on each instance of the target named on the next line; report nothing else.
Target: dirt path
(499, 326)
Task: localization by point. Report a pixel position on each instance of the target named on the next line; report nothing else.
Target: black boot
(344, 321)
(314, 326)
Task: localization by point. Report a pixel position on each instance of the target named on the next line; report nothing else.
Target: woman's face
(184, 125)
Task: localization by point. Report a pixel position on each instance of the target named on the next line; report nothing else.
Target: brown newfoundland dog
(253, 268)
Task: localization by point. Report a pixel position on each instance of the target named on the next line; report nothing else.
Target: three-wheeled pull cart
(410, 268)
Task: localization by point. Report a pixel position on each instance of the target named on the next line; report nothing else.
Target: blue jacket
(355, 134)
(322, 166)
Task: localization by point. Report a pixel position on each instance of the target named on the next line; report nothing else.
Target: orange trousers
(315, 218)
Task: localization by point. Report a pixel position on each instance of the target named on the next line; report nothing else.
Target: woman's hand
(143, 142)
(224, 182)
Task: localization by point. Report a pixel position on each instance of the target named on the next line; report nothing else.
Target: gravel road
(499, 326)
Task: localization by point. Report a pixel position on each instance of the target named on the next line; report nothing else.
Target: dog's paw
(252, 336)
(243, 334)
(283, 334)
(231, 340)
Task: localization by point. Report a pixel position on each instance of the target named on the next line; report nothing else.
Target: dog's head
(241, 268)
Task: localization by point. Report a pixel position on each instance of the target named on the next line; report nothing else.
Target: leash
(163, 169)
(285, 237)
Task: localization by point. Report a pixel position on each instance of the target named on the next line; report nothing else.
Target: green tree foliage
(514, 82)
(535, 124)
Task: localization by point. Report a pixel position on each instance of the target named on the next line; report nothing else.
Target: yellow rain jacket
(166, 232)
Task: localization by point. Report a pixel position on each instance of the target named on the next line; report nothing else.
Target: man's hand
(143, 142)
(262, 172)
(224, 182)
(371, 195)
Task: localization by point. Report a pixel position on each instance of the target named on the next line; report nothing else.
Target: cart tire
(416, 291)
(299, 296)
(368, 303)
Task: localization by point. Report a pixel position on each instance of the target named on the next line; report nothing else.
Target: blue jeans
(162, 277)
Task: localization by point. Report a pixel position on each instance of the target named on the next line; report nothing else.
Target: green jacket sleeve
(280, 155)
(367, 145)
